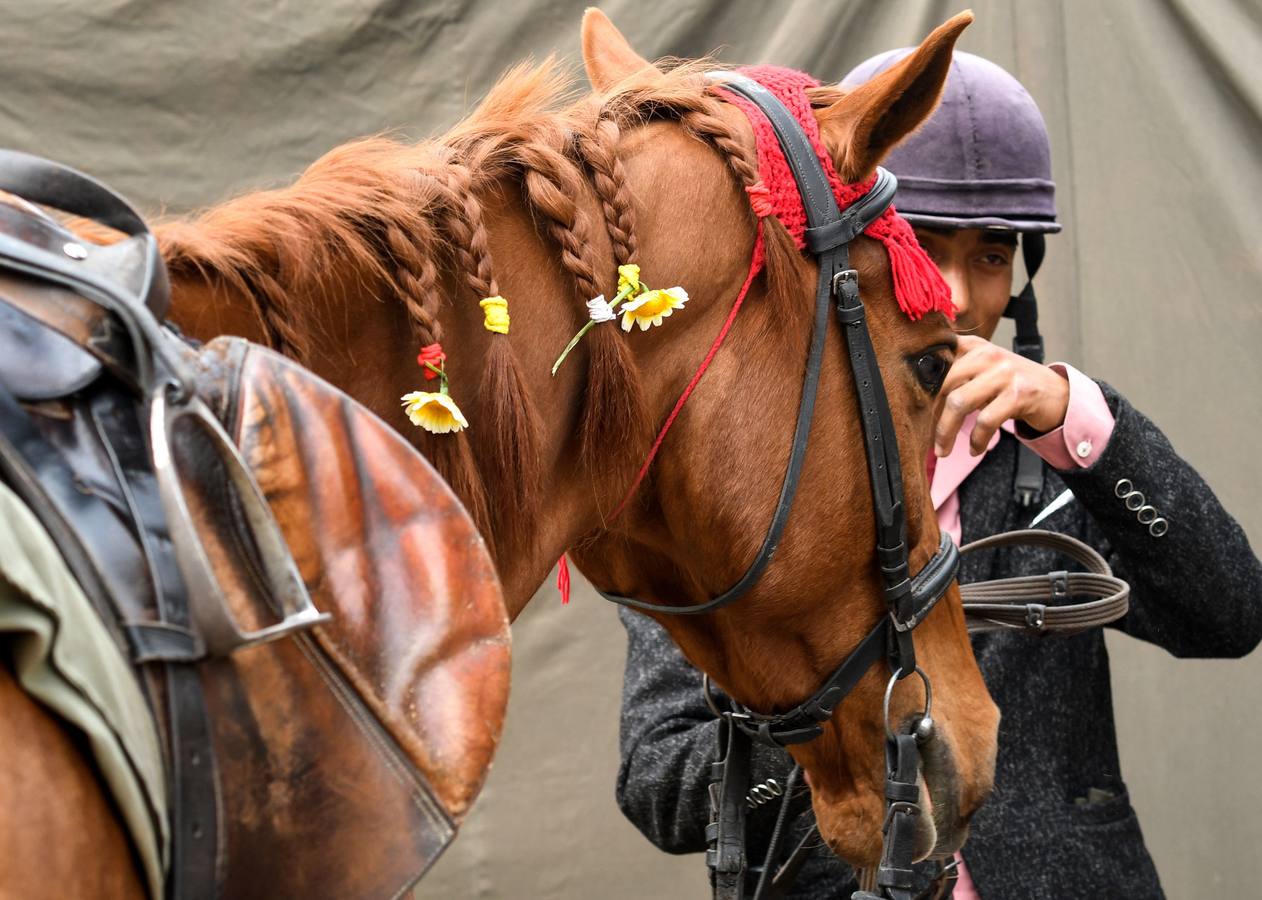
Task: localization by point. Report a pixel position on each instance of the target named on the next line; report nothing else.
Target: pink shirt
(1076, 444)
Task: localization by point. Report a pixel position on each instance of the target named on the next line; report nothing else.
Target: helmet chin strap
(1023, 309)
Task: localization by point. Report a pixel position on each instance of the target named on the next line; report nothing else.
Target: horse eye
(931, 369)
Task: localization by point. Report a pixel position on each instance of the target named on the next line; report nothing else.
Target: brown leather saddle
(314, 618)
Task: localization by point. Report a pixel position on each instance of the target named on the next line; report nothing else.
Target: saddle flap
(419, 625)
(384, 720)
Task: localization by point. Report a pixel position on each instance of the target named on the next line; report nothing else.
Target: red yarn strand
(755, 266)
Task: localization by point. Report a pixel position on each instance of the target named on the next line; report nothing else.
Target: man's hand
(1003, 386)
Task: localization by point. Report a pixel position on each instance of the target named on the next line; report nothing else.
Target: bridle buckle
(845, 285)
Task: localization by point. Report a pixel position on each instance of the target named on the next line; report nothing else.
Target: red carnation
(431, 355)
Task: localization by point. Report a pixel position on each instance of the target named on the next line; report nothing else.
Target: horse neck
(355, 337)
(351, 327)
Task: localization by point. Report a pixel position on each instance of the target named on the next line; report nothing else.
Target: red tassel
(563, 580)
(918, 285)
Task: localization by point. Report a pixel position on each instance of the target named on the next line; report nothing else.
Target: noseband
(908, 598)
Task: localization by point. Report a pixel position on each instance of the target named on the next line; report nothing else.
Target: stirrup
(208, 607)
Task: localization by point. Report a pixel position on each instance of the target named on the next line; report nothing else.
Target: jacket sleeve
(667, 742)
(1197, 589)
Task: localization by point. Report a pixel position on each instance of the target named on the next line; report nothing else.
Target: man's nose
(959, 290)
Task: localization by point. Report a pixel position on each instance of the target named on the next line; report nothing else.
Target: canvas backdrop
(1155, 114)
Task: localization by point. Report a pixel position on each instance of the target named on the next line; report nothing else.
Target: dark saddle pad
(329, 670)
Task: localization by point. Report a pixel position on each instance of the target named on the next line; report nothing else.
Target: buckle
(902, 626)
(898, 806)
(846, 286)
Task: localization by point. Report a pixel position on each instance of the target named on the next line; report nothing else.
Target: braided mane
(407, 214)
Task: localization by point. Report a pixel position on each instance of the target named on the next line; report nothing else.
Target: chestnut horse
(383, 247)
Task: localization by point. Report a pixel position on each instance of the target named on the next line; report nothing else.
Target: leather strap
(1024, 311)
(726, 832)
(195, 801)
(895, 878)
(1040, 603)
(805, 721)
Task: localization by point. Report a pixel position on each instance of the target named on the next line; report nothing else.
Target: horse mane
(404, 214)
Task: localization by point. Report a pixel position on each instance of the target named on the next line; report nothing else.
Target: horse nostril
(924, 729)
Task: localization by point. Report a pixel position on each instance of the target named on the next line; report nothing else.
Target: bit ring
(889, 692)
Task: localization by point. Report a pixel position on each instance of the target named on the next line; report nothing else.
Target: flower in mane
(651, 307)
(437, 413)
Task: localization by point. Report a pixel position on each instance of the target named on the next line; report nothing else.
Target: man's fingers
(973, 356)
(956, 406)
(999, 410)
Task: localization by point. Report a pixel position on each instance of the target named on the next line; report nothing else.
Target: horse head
(715, 481)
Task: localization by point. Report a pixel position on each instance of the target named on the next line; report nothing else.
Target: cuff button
(1158, 527)
(1083, 449)
(1123, 487)
(1146, 515)
(1134, 500)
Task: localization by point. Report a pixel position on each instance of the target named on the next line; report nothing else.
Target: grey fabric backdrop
(1155, 112)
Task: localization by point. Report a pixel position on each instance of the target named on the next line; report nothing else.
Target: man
(1015, 441)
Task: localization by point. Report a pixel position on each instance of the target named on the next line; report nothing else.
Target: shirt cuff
(1088, 425)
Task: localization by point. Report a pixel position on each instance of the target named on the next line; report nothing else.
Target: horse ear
(866, 123)
(607, 55)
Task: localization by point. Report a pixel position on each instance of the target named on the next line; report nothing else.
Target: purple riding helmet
(982, 160)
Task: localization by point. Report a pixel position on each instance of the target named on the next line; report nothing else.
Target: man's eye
(931, 369)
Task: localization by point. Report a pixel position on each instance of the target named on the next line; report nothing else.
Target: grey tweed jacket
(1059, 823)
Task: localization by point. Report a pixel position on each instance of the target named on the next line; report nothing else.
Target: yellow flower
(436, 413)
(651, 307)
(629, 280)
(496, 310)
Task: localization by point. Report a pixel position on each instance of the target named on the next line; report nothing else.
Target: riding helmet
(982, 160)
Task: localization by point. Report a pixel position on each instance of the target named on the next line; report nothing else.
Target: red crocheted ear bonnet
(918, 284)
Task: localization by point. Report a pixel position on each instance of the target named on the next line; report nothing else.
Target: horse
(382, 247)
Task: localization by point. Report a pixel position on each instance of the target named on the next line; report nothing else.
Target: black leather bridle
(908, 598)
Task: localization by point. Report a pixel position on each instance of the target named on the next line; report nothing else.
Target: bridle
(908, 598)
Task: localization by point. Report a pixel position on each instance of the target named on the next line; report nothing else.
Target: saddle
(314, 619)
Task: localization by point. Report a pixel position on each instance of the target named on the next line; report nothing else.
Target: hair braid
(414, 253)
(700, 115)
(609, 180)
(271, 305)
(510, 429)
(552, 184)
(615, 424)
(469, 242)
(416, 277)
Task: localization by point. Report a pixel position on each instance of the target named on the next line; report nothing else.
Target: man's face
(977, 264)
